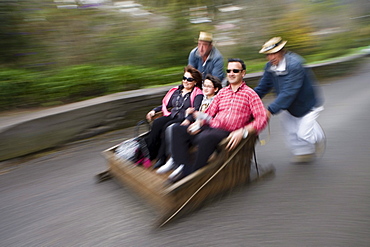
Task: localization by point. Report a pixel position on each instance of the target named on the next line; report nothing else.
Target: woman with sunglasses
(211, 86)
(174, 105)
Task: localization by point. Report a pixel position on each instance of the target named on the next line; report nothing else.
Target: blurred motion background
(62, 51)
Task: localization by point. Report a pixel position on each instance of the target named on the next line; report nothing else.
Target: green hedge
(23, 88)
(17, 89)
(29, 88)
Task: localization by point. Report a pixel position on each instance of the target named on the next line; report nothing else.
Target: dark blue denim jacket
(295, 87)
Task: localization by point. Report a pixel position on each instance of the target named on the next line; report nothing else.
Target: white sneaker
(166, 167)
(175, 172)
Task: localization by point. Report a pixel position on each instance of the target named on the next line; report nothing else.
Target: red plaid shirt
(233, 110)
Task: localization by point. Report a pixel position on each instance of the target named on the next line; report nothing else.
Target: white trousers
(302, 133)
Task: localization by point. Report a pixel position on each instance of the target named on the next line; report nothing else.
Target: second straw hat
(273, 45)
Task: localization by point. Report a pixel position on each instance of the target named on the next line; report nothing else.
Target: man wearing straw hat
(297, 100)
(206, 58)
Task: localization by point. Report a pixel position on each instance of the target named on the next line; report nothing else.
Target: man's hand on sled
(269, 115)
(234, 138)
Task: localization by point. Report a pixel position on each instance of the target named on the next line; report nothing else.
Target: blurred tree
(72, 52)
(296, 27)
(12, 39)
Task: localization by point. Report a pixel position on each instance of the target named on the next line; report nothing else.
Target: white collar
(280, 67)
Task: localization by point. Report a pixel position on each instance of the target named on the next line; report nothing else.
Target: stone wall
(49, 128)
(52, 127)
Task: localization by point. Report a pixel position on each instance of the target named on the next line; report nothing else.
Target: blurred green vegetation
(52, 55)
(25, 88)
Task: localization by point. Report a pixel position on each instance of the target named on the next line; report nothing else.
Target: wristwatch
(245, 133)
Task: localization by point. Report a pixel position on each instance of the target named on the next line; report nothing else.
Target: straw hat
(273, 45)
(204, 36)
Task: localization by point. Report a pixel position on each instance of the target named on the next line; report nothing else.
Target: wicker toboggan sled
(225, 171)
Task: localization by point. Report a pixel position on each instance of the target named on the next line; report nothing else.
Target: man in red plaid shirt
(235, 111)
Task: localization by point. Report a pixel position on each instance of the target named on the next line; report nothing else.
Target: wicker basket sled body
(224, 171)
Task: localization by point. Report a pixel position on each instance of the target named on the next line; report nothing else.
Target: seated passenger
(174, 105)
(211, 86)
(235, 111)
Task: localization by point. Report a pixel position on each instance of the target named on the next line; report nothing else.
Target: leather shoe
(159, 163)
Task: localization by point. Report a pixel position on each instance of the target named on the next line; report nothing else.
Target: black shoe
(159, 163)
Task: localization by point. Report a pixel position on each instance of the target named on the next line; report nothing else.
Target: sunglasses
(234, 70)
(189, 79)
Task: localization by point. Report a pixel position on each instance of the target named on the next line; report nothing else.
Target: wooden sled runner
(225, 171)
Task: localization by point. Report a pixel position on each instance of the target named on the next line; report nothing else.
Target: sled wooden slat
(224, 171)
(144, 182)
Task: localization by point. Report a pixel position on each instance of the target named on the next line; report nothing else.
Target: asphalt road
(52, 199)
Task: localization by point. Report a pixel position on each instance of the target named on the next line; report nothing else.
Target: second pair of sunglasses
(234, 70)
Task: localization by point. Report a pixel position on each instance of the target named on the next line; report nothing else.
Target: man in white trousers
(297, 100)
